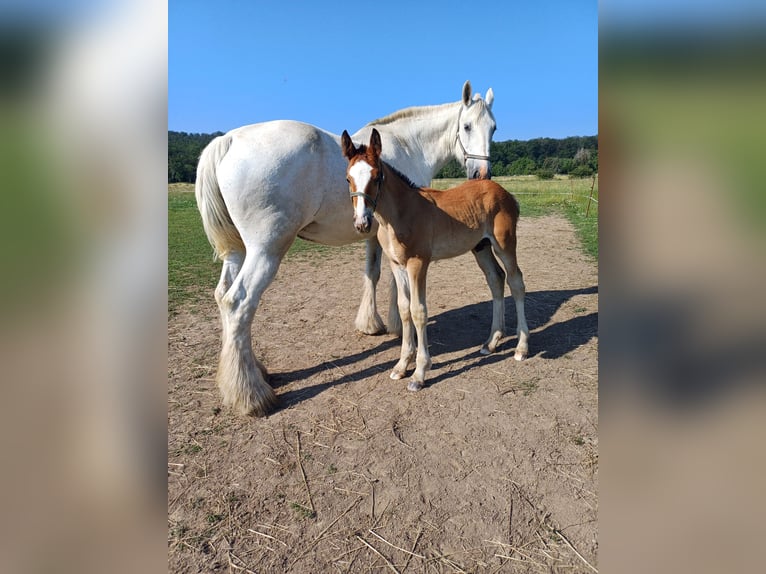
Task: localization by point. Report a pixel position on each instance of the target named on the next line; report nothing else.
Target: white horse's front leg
(368, 320)
(417, 270)
(408, 335)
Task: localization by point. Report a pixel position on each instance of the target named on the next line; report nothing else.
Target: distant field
(191, 269)
(192, 272)
(180, 187)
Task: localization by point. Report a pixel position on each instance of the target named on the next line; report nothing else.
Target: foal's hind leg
(240, 375)
(505, 249)
(518, 290)
(417, 270)
(495, 277)
(368, 320)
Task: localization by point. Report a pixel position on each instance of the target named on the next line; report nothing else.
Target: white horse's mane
(408, 113)
(416, 111)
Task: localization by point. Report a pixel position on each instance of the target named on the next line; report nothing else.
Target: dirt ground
(493, 467)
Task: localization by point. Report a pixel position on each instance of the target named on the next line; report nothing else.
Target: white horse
(260, 186)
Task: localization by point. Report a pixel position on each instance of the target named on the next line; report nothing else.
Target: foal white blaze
(360, 175)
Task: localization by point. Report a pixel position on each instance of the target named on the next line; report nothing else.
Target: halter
(466, 155)
(371, 199)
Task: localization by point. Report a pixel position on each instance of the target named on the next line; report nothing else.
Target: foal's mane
(404, 178)
(362, 150)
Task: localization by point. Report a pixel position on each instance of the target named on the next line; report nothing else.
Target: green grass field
(193, 274)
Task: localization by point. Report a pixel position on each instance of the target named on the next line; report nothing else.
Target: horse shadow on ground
(658, 346)
(462, 329)
(279, 379)
(467, 328)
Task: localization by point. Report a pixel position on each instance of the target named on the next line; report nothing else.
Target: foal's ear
(375, 143)
(467, 93)
(348, 146)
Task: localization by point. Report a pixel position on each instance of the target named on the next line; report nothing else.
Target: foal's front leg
(416, 271)
(408, 345)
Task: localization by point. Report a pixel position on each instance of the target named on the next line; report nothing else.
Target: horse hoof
(373, 331)
(414, 386)
(396, 376)
(519, 356)
(485, 351)
(370, 325)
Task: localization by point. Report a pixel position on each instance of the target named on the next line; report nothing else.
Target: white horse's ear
(348, 146)
(490, 98)
(375, 143)
(467, 93)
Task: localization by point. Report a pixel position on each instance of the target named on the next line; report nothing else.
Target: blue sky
(339, 65)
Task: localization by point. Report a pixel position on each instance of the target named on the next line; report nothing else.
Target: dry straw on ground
(493, 467)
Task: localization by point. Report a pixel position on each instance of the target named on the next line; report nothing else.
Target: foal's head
(365, 176)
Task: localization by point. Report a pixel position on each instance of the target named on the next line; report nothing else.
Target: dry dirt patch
(491, 468)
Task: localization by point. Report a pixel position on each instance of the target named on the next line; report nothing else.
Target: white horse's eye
(467, 127)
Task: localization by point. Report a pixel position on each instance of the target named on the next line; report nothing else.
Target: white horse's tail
(219, 228)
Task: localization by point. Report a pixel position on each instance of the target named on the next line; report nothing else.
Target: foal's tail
(219, 228)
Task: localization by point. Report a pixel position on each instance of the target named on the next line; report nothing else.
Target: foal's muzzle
(363, 224)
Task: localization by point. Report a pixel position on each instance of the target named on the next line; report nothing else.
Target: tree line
(543, 157)
(183, 155)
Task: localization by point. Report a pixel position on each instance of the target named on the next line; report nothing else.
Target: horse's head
(475, 127)
(364, 175)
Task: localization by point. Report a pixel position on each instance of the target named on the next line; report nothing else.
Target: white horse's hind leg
(232, 264)
(368, 320)
(240, 375)
(394, 319)
(495, 277)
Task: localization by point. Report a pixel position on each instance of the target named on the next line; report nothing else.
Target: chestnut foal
(420, 225)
